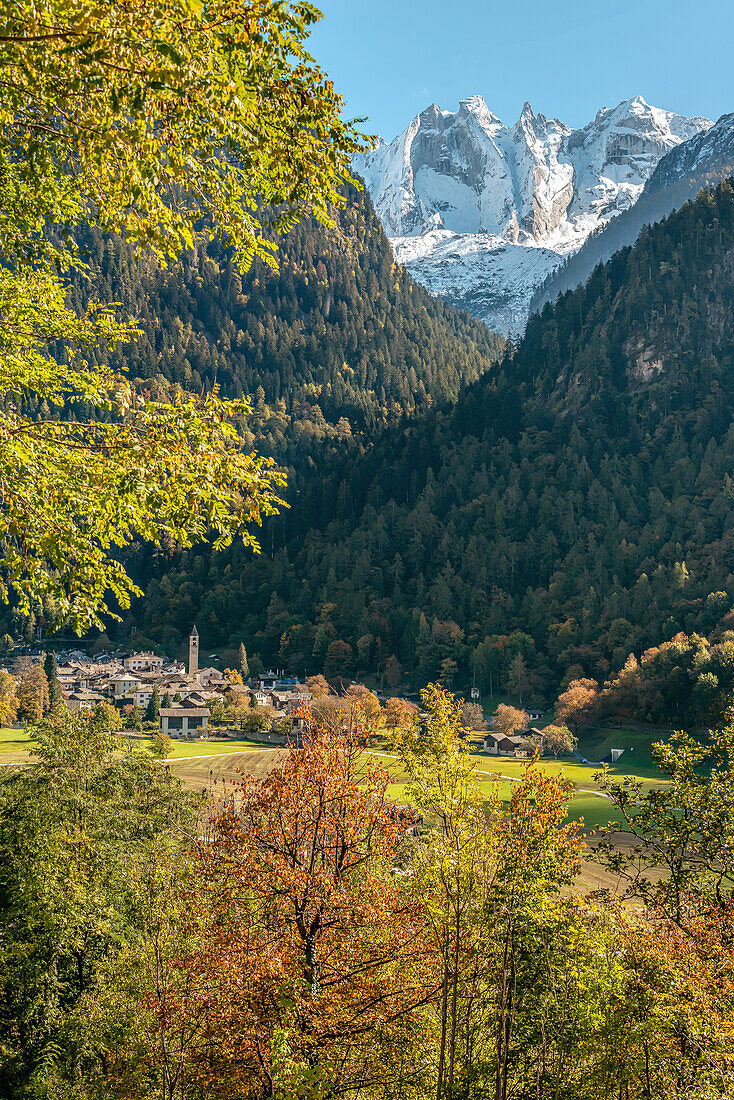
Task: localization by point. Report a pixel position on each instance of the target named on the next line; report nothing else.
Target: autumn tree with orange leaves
(296, 939)
(356, 712)
(578, 705)
(400, 713)
(309, 961)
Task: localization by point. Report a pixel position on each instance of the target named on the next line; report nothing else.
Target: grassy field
(197, 761)
(583, 776)
(209, 772)
(202, 763)
(185, 750)
(209, 765)
(586, 804)
(13, 746)
(637, 757)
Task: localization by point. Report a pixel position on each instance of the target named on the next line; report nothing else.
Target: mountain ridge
(481, 213)
(701, 162)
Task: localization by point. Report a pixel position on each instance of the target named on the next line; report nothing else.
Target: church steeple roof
(194, 631)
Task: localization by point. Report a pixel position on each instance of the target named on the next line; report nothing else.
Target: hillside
(338, 331)
(574, 506)
(336, 344)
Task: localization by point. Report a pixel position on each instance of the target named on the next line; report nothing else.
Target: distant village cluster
(147, 690)
(188, 697)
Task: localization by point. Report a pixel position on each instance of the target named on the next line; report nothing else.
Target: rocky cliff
(482, 213)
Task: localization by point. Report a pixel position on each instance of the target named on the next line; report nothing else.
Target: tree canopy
(147, 119)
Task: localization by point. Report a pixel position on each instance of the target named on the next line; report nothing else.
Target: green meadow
(199, 763)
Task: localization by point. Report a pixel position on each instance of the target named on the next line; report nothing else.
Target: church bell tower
(194, 652)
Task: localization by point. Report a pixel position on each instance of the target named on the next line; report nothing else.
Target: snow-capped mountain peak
(465, 198)
(707, 151)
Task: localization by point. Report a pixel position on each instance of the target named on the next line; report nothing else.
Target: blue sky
(390, 58)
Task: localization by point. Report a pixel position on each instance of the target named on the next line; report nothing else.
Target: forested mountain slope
(573, 506)
(334, 345)
(339, 330)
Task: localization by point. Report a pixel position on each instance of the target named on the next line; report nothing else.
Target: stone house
(211, 676)
(124, 683)
(80, 700)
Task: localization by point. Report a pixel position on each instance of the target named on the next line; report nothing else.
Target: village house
(211, 676)
(77, 701)
(67, 678)
(269, 680)
(124, 683)
(289, 700)
(143, 662)
(176, 684)
(100, 681)
(236, 692)
(500, 745)
(300, 699)
(201, 697)
(184, 721)
(142, 696)
(77, 675)
(294, 704)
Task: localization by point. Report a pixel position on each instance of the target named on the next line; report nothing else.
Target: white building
(184, 721)
(144, 662)
(125, 684)
(142, 696)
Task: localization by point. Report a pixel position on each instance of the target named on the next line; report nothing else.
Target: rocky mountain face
(481, 213)
(702, 161)
(704, 156)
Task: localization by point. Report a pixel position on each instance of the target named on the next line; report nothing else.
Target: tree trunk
(442, 1048)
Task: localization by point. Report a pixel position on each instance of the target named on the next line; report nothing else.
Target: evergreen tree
(55, 695)
(153, 710)
(50, 666)
(56, 704)
(242, 665)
